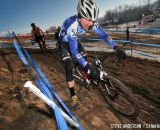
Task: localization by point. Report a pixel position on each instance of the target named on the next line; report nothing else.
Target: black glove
(120, 52)
(92, 72)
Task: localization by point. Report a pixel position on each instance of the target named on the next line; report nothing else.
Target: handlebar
(117, 59)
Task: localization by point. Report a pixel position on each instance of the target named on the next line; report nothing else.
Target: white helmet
(88, 9)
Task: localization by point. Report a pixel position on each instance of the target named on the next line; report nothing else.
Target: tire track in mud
(95, 108)
(17, 89)
(115, 116)
(99, 108)
(148, 107)
(149, 98)
(107, 109)
(121, 117)
(25, 110)
(8, 65)
(145, 93)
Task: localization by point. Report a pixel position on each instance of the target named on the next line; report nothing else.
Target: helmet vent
(84, 13)
(88, 5)
(90, 15)
(91, 2)
(82, 2)
(94, 12)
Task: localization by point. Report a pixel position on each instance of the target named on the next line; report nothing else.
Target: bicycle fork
(110, 89)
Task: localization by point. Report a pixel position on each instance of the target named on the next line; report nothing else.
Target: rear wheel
(118, 96)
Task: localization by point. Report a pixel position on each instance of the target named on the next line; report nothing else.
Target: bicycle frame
(82, 75)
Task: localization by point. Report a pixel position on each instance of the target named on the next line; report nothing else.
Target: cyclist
(57, 36)
(38, 36)
(85, 20)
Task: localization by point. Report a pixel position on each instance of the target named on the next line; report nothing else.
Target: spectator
(127, 33)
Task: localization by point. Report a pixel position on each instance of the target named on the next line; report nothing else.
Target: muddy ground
(22, 110)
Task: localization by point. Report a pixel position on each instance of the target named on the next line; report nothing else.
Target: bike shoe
(75, 102)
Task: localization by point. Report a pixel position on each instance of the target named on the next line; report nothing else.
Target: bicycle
(114, 91)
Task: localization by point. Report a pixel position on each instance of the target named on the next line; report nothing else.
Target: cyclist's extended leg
(44, 44)
(69, 76)
(39, 40)
(40, 45)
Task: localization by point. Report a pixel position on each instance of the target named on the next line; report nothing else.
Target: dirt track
(21, 110)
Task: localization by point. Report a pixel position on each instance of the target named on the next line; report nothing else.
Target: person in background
(127, 34)
(57, 36)
(74, 26)
(38, 36)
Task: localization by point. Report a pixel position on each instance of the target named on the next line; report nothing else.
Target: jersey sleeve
(106, 38)
(73, 44)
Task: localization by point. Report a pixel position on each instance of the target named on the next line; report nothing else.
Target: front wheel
(118, 96)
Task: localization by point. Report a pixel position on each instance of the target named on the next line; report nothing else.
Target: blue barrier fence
(45, 87)
(123, 41)
(59, 118)
(6, 45)
(132, 43)
(137, 31)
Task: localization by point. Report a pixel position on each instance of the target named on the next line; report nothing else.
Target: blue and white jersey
(70, 31)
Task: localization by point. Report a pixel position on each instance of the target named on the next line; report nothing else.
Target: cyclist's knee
(69, 69)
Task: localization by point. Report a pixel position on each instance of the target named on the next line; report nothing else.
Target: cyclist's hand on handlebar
(120, 52)
(92, 71)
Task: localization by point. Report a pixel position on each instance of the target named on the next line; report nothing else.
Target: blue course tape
(140, 53)
(124, 41)
(145, 44)
(59, 118)
(138, 31)
(22, 57)
(45, 80)
(51, 88)
(49, 85)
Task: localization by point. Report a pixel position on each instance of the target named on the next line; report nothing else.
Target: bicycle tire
(122, 91)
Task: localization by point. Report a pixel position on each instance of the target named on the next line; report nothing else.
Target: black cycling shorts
(66, 58)
(38, 39)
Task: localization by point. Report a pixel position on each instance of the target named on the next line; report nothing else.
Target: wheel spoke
(118, 96)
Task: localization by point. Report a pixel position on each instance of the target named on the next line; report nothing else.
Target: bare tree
(128, 13)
